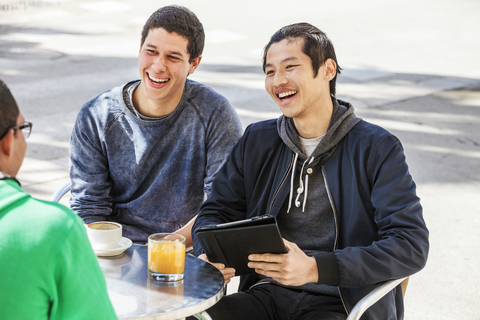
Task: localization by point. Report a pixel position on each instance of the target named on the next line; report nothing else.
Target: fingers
(228, 273)
(266, 257)
(276, 274)
(292, 268)
(272, 257)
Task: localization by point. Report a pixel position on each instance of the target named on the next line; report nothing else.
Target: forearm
(89, 176)
(186, 231)
(91, 199)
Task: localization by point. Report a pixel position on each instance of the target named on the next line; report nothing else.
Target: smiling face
(290, 81)
(164, 66)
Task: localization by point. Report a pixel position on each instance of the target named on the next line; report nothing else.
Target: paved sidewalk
(409, 66)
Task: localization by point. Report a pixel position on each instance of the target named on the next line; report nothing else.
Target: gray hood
(342, 121)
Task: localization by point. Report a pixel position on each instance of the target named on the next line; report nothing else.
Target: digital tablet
(231, 243)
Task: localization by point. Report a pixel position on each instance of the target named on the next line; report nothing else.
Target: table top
(134, 295)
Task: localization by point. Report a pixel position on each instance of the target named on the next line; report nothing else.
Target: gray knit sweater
(150, 176)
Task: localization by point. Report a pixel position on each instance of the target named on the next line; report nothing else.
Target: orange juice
(167, 257)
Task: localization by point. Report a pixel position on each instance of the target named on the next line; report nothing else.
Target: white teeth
(157, 80)
(288, 93)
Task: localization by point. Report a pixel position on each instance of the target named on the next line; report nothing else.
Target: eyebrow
(292, 58)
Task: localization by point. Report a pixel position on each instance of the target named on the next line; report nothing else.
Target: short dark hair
(8, 108)
(316, 45)
(182, 21)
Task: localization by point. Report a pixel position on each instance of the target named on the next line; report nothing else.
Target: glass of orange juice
(166, 257)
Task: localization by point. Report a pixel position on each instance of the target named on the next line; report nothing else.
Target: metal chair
(376, 294)
(60, 192)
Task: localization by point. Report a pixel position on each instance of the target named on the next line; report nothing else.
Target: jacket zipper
(280, 186)
(335, 246)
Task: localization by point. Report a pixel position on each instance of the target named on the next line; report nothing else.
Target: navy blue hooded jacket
(380, 232)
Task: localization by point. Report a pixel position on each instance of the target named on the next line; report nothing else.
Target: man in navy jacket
(339, 187)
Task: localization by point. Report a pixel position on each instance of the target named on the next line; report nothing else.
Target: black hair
(316, 45)
(8, 108)
(182, 21)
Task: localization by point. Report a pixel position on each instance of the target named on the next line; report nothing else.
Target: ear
(330, 69)
(194, 64)
(6, 144)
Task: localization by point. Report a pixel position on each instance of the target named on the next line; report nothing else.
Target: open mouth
(157, 80)
(286, 95)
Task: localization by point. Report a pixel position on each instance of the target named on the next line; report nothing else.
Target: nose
(159, 63)
(280, 79)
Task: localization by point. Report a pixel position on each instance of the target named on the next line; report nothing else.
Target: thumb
(290, 246)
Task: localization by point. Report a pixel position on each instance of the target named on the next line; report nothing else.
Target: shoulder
(367, 132)
(206, 99)
(103, 107)
(54, 216)
(47, 223)
(99, 113)
(264, 132)
(56, 225)
(198, 91)
(263, 127)
(212, 108)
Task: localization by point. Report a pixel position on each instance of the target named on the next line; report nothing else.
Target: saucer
(123, 245)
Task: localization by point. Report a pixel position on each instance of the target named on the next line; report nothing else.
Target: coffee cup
(104, 235)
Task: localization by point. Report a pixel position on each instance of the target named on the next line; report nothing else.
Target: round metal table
(135, 296)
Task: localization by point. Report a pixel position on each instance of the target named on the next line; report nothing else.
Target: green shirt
(47, 267)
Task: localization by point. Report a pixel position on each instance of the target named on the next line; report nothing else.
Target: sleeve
(81, 287)
(227, 201)
(401, 248)
(89, 170)
(223, 131)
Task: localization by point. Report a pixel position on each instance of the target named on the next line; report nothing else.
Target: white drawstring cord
(306, 192)
(301, 188)
(291, 182)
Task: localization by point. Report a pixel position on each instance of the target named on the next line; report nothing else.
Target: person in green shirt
(47, 266)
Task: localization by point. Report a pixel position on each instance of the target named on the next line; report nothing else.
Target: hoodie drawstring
(291, 182)
(306, 188)
(301, 187)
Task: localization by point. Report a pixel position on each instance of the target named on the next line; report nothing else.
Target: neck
(6, 167)
(316, 122)
(153, 108)
(5, 176)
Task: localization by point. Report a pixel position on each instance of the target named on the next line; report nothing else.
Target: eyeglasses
(26, 129)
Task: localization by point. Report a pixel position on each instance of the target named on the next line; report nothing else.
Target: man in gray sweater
(145, 153)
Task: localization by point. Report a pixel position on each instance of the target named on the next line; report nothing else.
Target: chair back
(60, 192)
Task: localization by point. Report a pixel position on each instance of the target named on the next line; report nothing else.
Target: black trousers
(272, 302)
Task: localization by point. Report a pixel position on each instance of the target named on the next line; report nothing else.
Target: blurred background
(409, 66)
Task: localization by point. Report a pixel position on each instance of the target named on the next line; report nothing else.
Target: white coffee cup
(104, 235)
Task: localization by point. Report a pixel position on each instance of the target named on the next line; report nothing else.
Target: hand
(228, 273)
(293, 268)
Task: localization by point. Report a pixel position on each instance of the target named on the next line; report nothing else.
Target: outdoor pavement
(409, 66)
